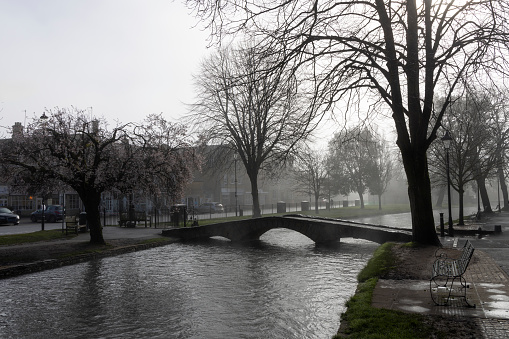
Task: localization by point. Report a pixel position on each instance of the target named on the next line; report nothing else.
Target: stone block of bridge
(319, 230)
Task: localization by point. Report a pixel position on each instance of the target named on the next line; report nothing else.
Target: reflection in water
(282, 286)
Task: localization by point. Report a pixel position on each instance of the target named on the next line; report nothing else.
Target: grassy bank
(361, 320)
(13, 239)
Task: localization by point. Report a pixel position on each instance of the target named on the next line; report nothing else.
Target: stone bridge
(319, 230)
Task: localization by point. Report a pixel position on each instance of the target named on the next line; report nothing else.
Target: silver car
(210, 207)
(8, 217)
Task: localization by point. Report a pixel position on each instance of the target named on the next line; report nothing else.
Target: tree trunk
(461, 220)
(380, 202)
(253, 177)
(419, 193)
(316, 203)
(503, 187)
(361, 198)
(440, 198)
(92, 201)
(484, 195)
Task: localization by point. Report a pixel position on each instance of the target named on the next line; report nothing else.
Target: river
(404, 220)
(282, 286)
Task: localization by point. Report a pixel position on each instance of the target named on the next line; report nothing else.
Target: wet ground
(486, 276)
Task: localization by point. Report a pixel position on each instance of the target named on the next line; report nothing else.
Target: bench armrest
(439, 253)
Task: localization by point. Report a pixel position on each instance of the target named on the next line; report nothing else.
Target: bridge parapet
(319, 230)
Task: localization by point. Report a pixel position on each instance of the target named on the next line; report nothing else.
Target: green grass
(364, 321)
(379, 264)
(13, 239)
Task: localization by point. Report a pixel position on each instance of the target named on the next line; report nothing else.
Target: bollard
(442, 225)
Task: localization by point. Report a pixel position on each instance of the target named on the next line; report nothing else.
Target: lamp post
(446, 139)
(235, 165)
(44, 119)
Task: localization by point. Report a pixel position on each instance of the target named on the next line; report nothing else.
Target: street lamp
(446, 139)
(235, 165)
(44, 119)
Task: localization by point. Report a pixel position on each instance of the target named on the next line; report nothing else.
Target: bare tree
(382, 171)
(352, 161)
(475, 147)
(500, 120)
(472, 150)
(401, 52)
(252, 107)
(79, 152)
(310, 174)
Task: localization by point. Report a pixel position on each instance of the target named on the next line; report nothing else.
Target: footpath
(486, 275)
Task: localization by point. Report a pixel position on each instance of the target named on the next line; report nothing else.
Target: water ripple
(282, 286)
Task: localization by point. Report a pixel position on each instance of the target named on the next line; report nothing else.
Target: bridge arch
(318, 230)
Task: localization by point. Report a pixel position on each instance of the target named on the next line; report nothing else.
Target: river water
(404, 220)
(280, 287)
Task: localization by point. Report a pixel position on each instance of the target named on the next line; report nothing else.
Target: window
(21, 202)
(73, 201)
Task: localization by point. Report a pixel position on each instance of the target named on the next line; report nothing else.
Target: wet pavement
(486, 275)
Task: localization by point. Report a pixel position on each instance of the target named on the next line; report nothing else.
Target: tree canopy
(246, 103)
(77, 151)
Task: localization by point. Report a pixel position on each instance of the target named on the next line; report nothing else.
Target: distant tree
(500, 119)
(253, 108)
(352, 161)
(310, 174)
(80, 152)
(472, 154)
(400, 54)
(382, 171)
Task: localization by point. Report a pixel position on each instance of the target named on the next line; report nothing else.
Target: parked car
(210, 207)
(8, 217)
(52, 213)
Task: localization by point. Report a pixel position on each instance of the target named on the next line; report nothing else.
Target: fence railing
(161, 218)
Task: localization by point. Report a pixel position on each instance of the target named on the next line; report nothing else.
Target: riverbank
(393, 298)
(27, 258)
(398, 262)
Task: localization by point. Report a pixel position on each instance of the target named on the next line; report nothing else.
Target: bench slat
(451, 269)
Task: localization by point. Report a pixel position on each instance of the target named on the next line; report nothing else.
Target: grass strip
(364, 321)
(16, 239)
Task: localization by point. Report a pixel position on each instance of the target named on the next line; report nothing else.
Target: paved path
(109, 232)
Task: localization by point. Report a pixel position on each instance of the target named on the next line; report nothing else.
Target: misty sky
(124, 59)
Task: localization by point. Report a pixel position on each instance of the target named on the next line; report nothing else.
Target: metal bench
(72, 225)
(130, 219)
(447, 271)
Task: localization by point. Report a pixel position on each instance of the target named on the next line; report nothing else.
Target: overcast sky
(124, 59)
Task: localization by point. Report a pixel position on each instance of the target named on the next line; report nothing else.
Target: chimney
(17, 130)
(95, 126)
